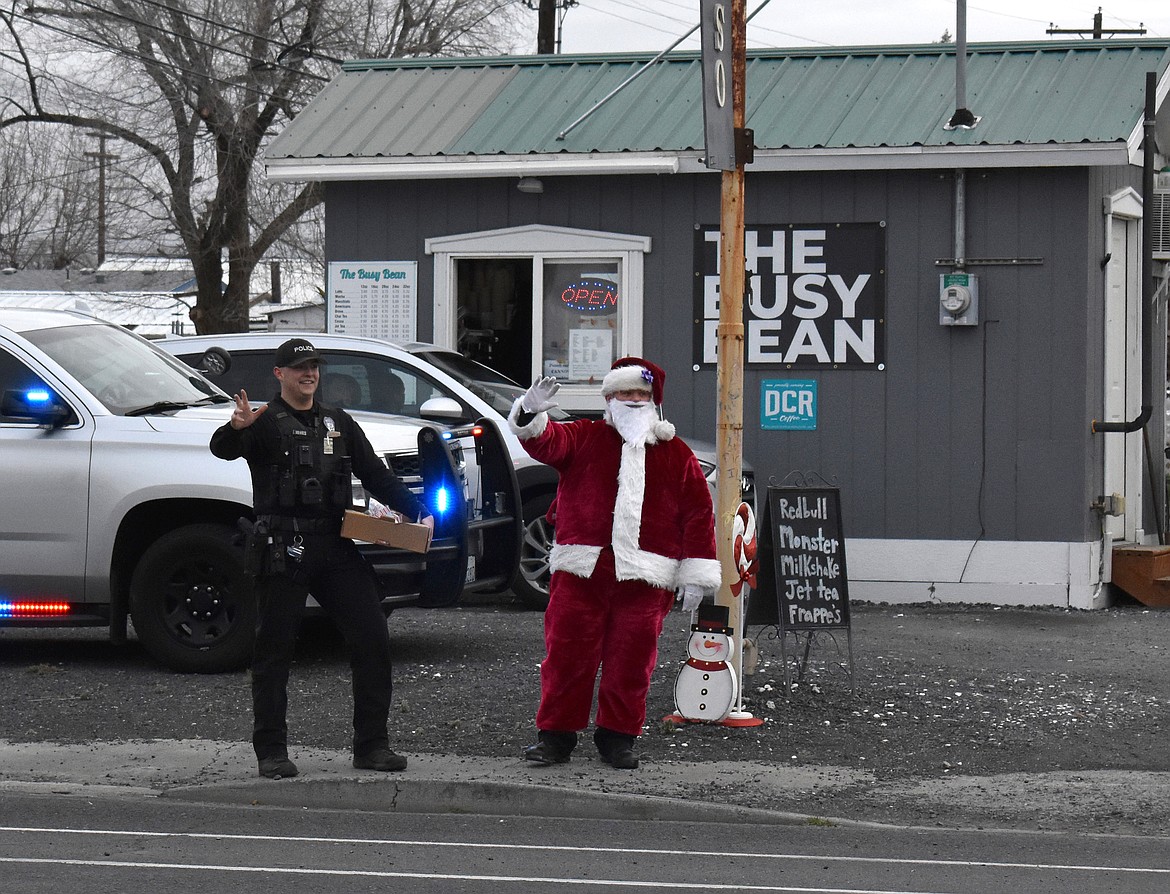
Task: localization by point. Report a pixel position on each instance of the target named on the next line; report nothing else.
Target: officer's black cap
(296, 351)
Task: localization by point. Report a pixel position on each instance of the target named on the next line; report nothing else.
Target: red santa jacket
(649, 501)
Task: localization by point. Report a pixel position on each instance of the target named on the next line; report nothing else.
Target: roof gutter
(868, 158)
(464, 168)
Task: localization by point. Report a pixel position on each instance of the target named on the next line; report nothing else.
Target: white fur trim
(662, 431)
(631, 562)
(627, 509)
(625, 378)
(705, 573)
(659, 571)
(533, 429)
(574, 558)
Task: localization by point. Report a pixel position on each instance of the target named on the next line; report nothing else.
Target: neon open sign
(590, 296)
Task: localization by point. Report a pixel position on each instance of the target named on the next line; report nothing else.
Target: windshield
(487, 384)
(121, 370)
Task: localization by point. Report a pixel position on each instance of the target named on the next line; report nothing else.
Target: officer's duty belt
(295, 525)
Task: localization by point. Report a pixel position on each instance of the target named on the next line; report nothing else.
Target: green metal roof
(851, 104)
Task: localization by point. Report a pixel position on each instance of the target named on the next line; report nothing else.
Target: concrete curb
(402, 795)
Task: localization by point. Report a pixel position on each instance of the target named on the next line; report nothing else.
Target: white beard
(632, 420)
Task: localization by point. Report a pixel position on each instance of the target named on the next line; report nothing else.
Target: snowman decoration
(705, 687)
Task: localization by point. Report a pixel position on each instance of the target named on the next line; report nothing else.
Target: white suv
(113, 506)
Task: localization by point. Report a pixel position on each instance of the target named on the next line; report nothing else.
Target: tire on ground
(192, 606)
(531, 584)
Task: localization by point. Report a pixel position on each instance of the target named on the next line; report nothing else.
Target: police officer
(301, 455)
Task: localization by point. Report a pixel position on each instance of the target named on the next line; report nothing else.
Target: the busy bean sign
(816, 297)
(804, 555)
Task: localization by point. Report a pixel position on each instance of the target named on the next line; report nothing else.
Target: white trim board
(1003, 572)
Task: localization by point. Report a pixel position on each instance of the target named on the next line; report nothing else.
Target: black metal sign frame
(802, 564)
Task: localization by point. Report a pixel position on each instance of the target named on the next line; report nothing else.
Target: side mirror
(441, 408)
(38, 404)
(214, 362)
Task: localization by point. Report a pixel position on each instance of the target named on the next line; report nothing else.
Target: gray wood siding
(968, 432)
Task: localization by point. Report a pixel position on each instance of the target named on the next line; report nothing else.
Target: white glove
(691, 595)
(539, 397)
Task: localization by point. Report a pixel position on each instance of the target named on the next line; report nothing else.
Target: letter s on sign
(720, 72)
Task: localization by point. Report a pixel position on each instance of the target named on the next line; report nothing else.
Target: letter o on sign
(720, 70)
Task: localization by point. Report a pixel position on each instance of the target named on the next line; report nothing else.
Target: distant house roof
(152, 296)
(1049, 103)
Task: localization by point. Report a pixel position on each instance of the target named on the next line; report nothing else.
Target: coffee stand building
(936, 316)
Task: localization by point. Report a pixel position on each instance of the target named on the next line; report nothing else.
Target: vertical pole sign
(718, 113)
(724, 39)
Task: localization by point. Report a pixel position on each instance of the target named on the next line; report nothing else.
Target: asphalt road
(52, 842)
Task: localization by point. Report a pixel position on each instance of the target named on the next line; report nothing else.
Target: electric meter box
(958, 299)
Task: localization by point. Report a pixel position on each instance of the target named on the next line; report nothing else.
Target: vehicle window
(352, 381)
(16, 376)
(376, 385)
(492, 387)
(122, 371)
(251, 370)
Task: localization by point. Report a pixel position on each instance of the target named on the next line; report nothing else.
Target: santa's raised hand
(539, 398)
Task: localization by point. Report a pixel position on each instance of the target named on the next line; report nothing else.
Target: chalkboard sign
(803, 584)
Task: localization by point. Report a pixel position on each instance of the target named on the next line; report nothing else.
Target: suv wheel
(532, 583)
(192, 606)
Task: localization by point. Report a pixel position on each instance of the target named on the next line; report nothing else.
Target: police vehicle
(114, 509)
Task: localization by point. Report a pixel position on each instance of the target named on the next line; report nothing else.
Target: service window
(581, 330)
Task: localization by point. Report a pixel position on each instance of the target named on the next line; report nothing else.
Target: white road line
(676, 852)
(441, 876)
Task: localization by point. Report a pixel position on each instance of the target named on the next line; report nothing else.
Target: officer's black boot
(616, 749)
(552, 747)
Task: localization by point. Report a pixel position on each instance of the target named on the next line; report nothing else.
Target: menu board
(803, 584)
(376, 299)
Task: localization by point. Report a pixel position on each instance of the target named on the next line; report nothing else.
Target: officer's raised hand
(243, 415)
(539, 398)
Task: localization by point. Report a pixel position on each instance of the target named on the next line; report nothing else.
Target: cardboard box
(386, 531)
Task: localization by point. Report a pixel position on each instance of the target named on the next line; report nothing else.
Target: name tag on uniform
(328, 443)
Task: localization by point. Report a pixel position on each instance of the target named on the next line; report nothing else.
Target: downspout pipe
(963, 116)
(1147, 410)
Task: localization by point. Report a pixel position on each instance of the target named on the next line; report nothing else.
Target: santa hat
(634, 374)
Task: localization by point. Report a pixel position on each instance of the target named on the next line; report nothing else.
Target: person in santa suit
(634, 527)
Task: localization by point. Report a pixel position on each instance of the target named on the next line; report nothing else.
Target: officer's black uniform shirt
(261, 445)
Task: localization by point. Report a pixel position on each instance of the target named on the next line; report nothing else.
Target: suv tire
(531, 584)
(192, 605)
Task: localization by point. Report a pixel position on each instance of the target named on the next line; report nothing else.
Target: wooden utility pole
(729, 427)
(1097, 31)
(102, 156)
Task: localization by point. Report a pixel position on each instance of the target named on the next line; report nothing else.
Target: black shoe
(279, 767)
(553, 748)
(616, 749)
(382, 759)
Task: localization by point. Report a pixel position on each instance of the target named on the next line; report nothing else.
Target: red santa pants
(599, 622)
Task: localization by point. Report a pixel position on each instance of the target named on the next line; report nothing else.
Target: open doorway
(493, 307)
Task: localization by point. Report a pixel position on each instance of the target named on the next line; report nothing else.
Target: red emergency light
(32, 608)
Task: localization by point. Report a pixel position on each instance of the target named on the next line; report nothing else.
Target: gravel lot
(956, 712)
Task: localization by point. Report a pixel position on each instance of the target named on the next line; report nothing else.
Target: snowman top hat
(713, 618)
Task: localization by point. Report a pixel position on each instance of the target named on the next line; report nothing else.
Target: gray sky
(620, 25)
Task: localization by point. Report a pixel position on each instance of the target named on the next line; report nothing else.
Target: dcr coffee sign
(816, 296)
